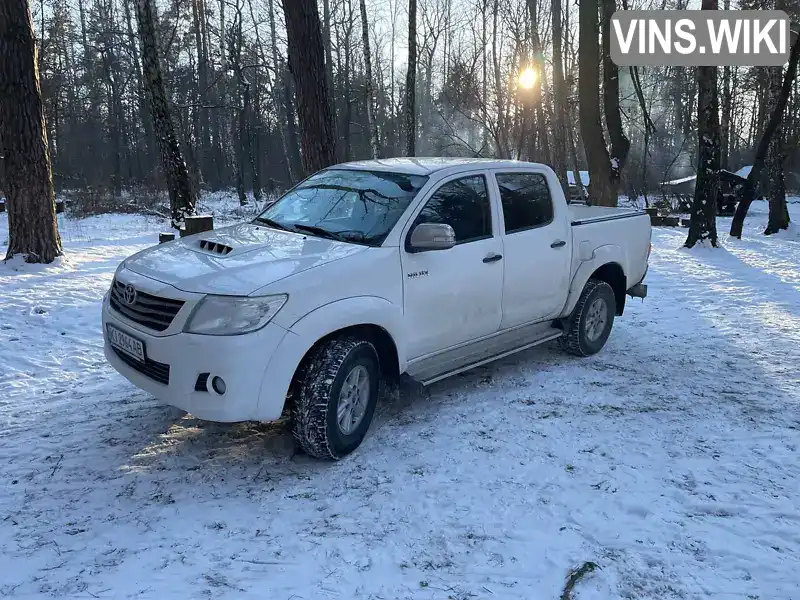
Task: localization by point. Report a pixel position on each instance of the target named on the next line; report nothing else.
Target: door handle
(558, 244)
(492, 258)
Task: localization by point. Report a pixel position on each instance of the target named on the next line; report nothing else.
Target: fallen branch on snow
(575, 575)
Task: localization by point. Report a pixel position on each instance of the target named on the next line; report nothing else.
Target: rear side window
(526, 200)
(464, 205)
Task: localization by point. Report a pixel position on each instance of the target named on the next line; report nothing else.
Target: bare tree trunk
(237, 134)
(573, 155)
(272, 86)
(32, 225)
(291, 126)
(645, 153)
(144, 159)
(503, 151)
(181, 196)
(288, 137)
(761, 153)
(448, 34)
(371, 124)
(649, 128)
(253, 135)
(572, 126)
(393, 104)
(239, 124)
(484, 74)
(620, 145)
(727, 101)
(725, 129)
(114, 103)
(326, 39)
(411, 80)
(203, 141)
(559, 100)
(603, 192)
(307, 65)
(541, 139)
(345, 128)
(222, 30)
(778, 210)
(703, 224)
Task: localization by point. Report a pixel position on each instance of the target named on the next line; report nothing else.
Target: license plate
(126, 343)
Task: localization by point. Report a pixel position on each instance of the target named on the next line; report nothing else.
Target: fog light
(219, 385)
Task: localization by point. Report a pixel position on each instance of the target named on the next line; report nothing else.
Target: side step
(550, 335)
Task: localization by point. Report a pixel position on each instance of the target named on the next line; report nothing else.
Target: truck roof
(427, 165)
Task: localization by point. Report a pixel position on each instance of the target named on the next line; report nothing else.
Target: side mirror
(432, 236)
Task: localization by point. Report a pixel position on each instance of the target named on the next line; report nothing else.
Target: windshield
(344, 204)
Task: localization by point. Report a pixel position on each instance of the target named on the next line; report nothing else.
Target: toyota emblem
(129, 295)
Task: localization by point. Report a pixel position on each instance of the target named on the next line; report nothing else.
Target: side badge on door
(416, 274)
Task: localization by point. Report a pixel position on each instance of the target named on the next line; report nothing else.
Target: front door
(538, 252)
(454, 296)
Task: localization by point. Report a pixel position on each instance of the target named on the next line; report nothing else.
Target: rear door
(536, 240)
(454, 296)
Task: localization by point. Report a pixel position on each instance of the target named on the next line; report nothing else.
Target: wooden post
(165, 237)
(198, 224)
(59, 207)
(2, 205)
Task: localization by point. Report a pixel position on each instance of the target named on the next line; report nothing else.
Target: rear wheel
(589, 325)
(337, 397)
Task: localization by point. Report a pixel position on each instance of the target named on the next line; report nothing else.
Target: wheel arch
(379, 337)
(606, 264)
(614, 276)
(377, 319)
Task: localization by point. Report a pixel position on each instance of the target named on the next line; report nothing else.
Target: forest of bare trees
(263, 92)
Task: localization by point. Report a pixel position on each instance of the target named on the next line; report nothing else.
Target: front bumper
(241, 361)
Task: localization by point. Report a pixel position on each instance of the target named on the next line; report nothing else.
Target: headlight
(232, 315)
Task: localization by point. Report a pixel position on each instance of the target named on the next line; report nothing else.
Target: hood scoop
(215, 247)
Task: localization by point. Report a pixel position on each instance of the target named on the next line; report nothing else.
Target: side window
(526, 200)
(464, 205)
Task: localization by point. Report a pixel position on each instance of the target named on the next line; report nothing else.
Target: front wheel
(337, 398)
(589, 325)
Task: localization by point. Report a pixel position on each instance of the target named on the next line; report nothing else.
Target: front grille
(151, 311)
(154, 370)
(201, 385)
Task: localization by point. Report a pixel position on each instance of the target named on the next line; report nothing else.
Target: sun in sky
(527, 78)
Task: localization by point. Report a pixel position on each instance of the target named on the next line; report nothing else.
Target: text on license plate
(129, 345)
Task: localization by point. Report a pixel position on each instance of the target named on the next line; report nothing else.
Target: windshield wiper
(271, 223)
(319, 231)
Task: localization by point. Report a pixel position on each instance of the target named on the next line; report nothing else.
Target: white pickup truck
(367, 271)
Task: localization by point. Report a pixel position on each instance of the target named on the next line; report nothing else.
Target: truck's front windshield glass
(345, 204)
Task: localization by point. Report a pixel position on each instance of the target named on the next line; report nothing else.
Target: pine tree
(307, 65)
(33, 229)
(181, 195)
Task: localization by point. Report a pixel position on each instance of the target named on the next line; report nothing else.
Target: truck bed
(628, 229)
(580, 214)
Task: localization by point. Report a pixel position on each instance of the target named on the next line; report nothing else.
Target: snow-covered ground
(670, 459)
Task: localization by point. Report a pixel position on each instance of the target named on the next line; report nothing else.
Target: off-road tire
(315, 424)
(575, 340)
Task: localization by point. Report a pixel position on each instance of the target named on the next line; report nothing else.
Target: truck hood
(236, 260)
